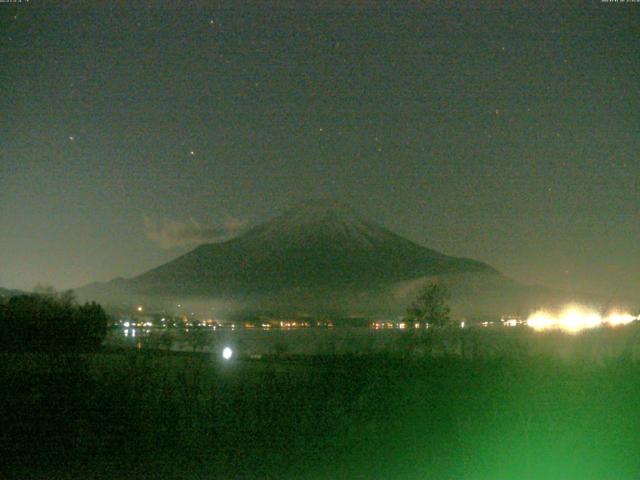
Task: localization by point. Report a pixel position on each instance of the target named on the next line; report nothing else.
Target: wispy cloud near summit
(172, 233)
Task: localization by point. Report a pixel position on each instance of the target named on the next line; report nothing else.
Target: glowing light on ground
(227, 353)
(575, 318)
(617, 318)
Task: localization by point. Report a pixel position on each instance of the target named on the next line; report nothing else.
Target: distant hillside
(315, 245)
(320, 257)
(5, 292)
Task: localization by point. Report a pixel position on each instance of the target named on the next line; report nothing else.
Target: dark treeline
(50, 323)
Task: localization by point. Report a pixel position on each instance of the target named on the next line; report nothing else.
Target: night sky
(131, 132)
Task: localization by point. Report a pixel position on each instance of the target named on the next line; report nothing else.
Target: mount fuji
(320, 256)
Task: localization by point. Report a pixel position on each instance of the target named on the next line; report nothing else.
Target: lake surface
(257, 341)
(597, 344)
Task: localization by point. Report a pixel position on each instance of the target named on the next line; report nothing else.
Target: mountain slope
(315, 245)
(318, 257)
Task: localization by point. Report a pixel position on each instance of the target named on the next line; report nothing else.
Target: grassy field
(155, 414)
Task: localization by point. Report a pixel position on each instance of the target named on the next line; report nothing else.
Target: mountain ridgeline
(316, 245)
(318, 257)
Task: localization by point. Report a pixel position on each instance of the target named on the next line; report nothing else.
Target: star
(72, 138)
(192, 152)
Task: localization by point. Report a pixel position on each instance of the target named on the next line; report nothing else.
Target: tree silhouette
(430, 306)
(51, 322)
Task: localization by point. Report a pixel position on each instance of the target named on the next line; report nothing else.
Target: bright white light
(227, 353)
(139, 309)
(616, 318)
(575, 318)
(126, 324)
(541, 320)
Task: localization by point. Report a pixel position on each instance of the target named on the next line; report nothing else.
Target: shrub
(51, 323)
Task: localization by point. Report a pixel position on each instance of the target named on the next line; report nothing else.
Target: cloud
(171, 233)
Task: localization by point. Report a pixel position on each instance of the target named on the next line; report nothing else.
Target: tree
(197, 338)
(51, 323)
(430, 306)
(166, 340)
(90, 322)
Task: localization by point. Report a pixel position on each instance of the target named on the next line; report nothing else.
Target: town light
(227, 353)
(575, 318)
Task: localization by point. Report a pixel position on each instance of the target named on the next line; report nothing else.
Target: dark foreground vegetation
(51, 322)
(157, 414)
